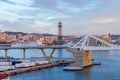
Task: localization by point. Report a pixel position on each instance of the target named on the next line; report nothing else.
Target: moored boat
(27, 43)
(72, 68)
(6, 78)
(3, 75)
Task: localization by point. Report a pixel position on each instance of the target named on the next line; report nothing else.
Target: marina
(27, 67)
(109, 66)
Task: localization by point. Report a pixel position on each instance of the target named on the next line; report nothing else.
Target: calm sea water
(108, 70)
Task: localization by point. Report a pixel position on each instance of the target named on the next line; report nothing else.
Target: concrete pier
(6, 54)
(28, 69)
(82, 59)
(87, 58)
(24, 50)
(36, 67)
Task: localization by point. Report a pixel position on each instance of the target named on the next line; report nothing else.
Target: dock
(73, 68)
(36, 67)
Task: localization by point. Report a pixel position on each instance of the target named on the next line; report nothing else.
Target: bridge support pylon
(82, 59)
(6, 54)
(87, 58)
(24, 53)
(48, 58)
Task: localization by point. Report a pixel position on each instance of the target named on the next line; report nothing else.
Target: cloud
(12, 12)
(48, 4)
(77, 4)
(20, 2)
(43, 15)
(65, 6)
(105, 20)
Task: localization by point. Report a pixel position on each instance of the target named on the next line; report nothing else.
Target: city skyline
(77, 17)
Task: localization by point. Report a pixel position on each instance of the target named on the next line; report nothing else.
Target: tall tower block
(60, 33)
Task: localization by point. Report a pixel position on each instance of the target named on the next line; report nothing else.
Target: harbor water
(108, 70)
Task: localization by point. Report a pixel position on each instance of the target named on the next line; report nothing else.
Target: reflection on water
(59, 53)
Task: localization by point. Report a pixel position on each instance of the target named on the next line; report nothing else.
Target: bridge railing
(5, 45)
(8, 46)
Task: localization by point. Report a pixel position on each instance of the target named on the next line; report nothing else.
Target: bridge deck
(96, 48)
(35, 47)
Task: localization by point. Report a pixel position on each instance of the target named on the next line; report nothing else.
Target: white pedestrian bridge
(90, 42)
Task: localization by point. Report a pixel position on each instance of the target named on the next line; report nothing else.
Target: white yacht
(27, 43)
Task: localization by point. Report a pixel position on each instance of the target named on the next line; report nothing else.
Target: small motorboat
(3, 75)
(7, 78)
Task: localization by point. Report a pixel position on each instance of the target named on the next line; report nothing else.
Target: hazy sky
(77, 16)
